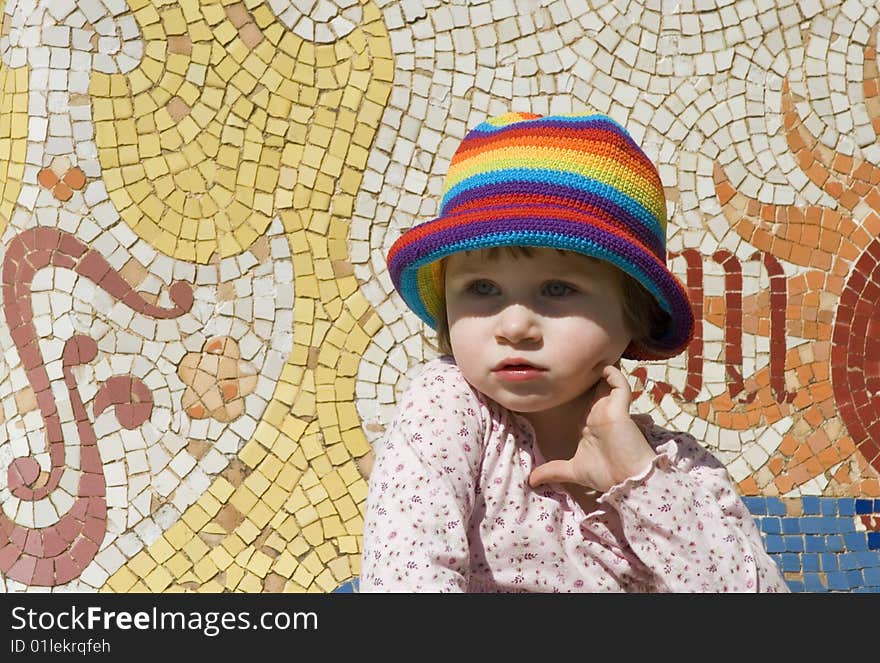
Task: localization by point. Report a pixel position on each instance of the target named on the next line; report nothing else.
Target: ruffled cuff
(662, 462)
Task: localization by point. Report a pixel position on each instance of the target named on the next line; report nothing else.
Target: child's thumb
(553, 470)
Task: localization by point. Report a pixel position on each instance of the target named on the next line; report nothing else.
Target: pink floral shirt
(450, 510)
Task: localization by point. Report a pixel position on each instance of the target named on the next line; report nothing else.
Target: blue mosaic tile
(856, 541)
(350, 587)
(867, 559)
(844, 525)
(874, 540)
(855, 578)
(814, 544)
(846, 507)
(793, 543)
(810, 562)
(813, 583)
(864, 506)
(791, 525)
(816, 525)
(849, 561)
(828, 506)
(837, 581)
(834, 543)
(756, 505)
(770, 525)
(773, 543)
(872, 575)
(811, 505)
(775, 507)
(829, 562)
(790, 562)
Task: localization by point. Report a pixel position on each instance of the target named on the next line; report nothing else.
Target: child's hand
(611, 448)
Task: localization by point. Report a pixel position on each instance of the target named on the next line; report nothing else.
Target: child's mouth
(517, 372)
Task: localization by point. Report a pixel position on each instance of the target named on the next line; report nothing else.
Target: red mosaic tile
(83, 551)
(23, 569)
(53, 544)
(44, 573)
(34, 543)
(91, 485)
(8, 555)
(65, 569)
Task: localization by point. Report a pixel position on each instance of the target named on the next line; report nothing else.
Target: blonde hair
(642, 314)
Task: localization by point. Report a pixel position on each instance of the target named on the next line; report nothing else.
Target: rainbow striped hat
(578, 183)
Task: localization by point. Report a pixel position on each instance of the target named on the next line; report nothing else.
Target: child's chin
(521, 405)
(535, 403)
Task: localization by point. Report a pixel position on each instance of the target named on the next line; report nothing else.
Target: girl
(514, 463)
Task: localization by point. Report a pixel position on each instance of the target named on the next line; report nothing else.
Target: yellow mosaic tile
(288, 529)
(178, 535)
(348, 544)
(275, 497)
(234, 576)
(325, 581)
(340, 568)
(259, 564)
(220, 557)
(257, 483)
(195, 548)
(247, 532)
(333, 527)
(326, 509)
(306, 515)
(196, 517)
(141, 564)
(337, 454)
(285, 564)
(302, 577)
(260, 514)
(313, 533)
(178, 564)
(158, 579)
(205, 569)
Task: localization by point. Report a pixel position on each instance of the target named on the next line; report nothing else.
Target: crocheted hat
(578, 183)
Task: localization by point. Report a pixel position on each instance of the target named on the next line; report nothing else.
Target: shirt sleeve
(687, 524)
(422, 488)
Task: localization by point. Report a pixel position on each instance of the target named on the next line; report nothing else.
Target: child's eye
(482, 287)
(558, 289)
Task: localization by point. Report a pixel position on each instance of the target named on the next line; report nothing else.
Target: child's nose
(518, 323)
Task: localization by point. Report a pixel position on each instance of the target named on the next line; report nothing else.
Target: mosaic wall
(199, 337)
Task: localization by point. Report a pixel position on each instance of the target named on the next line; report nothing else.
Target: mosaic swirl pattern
(190, 427)
(199, 335)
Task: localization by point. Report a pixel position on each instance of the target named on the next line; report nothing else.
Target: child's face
(533, 333)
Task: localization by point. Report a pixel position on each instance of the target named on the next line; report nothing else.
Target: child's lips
(517, 370)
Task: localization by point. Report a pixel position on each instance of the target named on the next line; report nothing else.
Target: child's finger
(553, 470)
(615, 377)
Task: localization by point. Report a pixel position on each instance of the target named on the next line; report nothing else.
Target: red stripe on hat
(484, 215)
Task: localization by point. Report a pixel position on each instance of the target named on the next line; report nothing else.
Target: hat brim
(413, 259)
